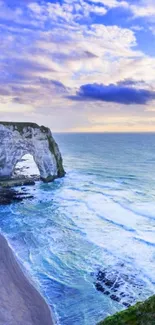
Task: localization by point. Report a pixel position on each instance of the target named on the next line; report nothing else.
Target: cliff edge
(18, 139)
(140, 314)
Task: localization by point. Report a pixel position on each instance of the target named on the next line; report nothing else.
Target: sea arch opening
(27, 167)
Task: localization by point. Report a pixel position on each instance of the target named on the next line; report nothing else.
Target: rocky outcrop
(121, 283)
(139, 314)
(18, 139)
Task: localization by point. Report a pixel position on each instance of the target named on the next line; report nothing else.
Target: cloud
(50, 49)
(52, 83)
(130, 82)
(145, 8)
(152, 29)
(14, 107)
(138, 28)
(114, 93)
(63, 52)
(112, 3)
(66, 11)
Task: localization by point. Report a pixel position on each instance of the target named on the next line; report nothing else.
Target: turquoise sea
(100, 216)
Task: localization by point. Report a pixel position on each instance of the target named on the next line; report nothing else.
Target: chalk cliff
(18, 139)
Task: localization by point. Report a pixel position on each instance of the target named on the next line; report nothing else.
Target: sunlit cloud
(52, 52)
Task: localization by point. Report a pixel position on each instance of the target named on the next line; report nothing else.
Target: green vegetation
(139, 314)
(48, 179)
(19, 126)
(54, 149)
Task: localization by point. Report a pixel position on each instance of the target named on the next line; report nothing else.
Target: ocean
(88, 240)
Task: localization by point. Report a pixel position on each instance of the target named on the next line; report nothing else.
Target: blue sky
(86, 66)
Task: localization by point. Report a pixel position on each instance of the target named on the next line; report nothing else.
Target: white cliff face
(18, 139)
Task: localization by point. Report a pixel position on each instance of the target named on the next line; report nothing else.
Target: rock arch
(18, 139)
(27, 167)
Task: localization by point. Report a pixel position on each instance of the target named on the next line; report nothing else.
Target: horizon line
(104, 132)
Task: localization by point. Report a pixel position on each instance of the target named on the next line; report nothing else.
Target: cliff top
(23, 124)
(139, 314)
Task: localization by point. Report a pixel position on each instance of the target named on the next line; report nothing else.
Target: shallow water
(101, 215)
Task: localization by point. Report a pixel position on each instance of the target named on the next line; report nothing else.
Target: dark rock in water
(126, 304)
(114, 297)
(99, 287)
(9, 195)
(119, 285)
(12, 182)
(36, 177)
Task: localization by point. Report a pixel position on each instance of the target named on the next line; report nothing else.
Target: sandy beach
(20, 302)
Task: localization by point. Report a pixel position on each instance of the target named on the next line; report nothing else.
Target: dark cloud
(49, 82)
(130, 82)
(27, 65)
(90, 54)
(114, 93)
(21, 72)
(17, 100)
(53, 86)
(4, 92)
(20, 89)
(73, 56)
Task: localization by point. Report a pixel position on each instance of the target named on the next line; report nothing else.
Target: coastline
(20, 302)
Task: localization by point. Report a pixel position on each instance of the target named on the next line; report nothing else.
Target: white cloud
(145, 8)
(152, 29)
(73, 54)
(68, 11)
(35, 7)
(14, 107)
(112, 3)
(137, 28)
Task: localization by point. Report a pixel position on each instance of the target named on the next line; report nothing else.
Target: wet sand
(20, 302)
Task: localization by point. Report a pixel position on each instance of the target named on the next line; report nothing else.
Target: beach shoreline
(20, 301)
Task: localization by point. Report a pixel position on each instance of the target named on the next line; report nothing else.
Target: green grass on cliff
(20, 125)
(139, 314)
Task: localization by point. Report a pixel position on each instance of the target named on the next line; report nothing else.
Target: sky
(78, 65)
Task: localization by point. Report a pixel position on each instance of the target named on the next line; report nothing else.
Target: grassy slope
(139, 314)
